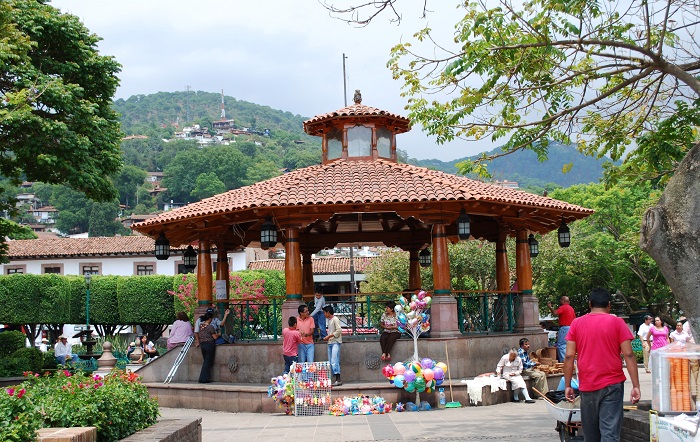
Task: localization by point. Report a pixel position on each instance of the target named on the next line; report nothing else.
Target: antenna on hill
(187, 99)
(223, 111)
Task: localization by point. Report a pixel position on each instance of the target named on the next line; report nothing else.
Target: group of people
(656, 335)
(298, 338)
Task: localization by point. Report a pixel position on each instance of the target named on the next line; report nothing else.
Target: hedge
(127, 300)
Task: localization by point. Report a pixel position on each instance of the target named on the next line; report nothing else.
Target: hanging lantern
(162, 250)
(564, 234)
(189, 259)
(463, 226)
(268, 234)
(424, 258)
(534, 246)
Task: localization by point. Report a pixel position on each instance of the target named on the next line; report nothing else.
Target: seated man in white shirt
(510, 368)
(63, 351)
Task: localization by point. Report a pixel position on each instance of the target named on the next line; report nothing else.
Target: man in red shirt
(566, 317)
(599, 338)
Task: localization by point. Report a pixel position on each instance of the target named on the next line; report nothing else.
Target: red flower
(11, 391)
(21, 393)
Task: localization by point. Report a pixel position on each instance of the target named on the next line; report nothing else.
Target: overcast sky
(286, 54)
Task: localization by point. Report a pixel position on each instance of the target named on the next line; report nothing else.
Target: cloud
(279, 53)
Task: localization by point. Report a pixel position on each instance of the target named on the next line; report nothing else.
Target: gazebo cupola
(358, 132)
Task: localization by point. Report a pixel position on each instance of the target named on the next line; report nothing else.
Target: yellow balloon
(443, 366)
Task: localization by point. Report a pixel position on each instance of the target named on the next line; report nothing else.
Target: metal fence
(359, 314)
(487, 312)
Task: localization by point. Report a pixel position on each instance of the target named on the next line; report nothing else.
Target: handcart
(568, 416)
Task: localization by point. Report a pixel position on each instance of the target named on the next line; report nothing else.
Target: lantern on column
(534, 246)
(564, 234)
(424, 258)
(268, 234)
(162, 250)
(463, 226)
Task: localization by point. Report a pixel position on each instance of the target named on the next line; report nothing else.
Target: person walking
(566, 316)
(658, 335)
(599, 338)
(334, 338)
(642, 333)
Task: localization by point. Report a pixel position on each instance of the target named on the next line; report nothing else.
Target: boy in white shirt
(319, 318)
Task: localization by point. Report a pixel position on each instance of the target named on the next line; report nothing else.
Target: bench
(503, 396)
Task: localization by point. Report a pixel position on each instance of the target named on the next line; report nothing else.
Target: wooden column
(204, 276)
(443, 314)
(528, 315)
(222, 274)
(502, 270)
(307, 283)
(292, 274)
(414, 279)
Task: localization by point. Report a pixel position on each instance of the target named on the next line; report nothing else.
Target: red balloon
(388, 371)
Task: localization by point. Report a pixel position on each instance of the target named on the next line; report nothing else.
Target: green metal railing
(359, 314)
(487, 312)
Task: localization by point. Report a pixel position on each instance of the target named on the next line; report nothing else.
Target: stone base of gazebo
(257, 362)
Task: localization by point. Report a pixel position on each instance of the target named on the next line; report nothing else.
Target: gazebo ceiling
(353, 201)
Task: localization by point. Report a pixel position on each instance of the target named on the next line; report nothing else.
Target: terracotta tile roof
(321, 266)
(71, 247)
(357, 181)
(358, 110)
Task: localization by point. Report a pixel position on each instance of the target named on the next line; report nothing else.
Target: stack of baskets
(547, 364)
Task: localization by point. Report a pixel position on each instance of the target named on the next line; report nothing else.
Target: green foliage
(10, 342)
(517, 71)
(56, 114)
(604, 252)
(104, 307)
(206, 185)
(33, 355)
(49, 360)
(118, 405)
(145, 300)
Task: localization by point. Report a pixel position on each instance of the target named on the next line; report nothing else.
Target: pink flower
(21, 393)
(97, 377)
(11, 391)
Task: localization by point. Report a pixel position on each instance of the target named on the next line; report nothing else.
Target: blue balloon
(399, 381)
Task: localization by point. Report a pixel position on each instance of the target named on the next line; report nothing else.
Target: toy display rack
(312, 388)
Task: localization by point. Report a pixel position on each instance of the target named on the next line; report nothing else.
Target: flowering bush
(185, 295)
(118, 405)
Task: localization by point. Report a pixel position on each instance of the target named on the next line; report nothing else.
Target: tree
(572, 71)
(207, 184)
(102, 220)
(127, 182)
(57, 124)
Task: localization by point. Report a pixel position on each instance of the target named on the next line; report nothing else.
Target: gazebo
(360, 195)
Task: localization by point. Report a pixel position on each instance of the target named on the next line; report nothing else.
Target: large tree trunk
(671, 235)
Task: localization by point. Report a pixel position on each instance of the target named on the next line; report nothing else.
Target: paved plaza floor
(503, 422)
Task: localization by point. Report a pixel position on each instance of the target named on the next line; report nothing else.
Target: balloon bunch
(282, 391)
(411, 316)
(419, 376)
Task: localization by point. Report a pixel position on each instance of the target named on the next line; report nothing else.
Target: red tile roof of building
(357, 181)
(67, 247)
(321, 266)
(356, 110)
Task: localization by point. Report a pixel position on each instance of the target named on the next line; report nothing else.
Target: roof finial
(358, 97)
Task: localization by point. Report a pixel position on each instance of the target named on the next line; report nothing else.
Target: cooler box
(674, 377)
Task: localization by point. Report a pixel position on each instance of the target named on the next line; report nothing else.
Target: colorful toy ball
(399, 381)
(410, 387)
(409, 376)
(443, 366)
(427, 363)
(428, 374)
(420, 385)
(415, 366)
(438, 373)
(399, 368)
(388, 371)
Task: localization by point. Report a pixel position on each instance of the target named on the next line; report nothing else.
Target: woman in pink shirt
(180, 332)
(658, 335)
